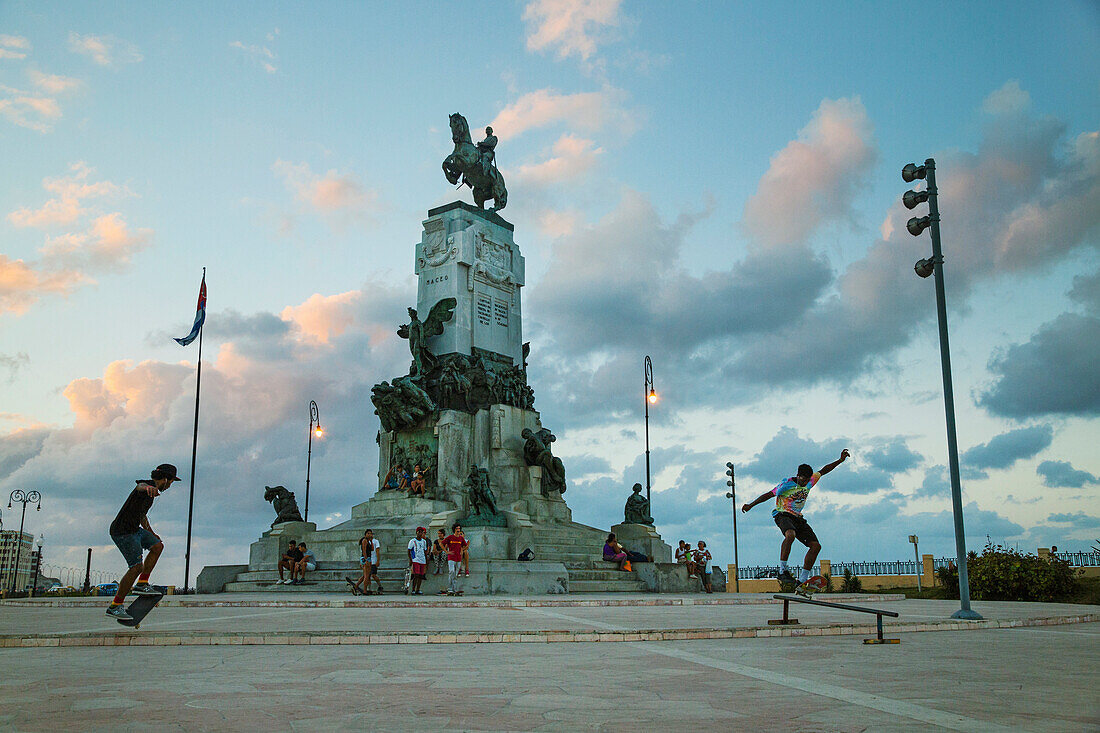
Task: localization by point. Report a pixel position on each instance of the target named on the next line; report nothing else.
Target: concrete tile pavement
(1032, 679)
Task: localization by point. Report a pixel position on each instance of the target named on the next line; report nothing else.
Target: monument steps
(603, 586)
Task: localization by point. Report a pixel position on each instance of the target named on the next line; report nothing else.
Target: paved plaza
(331, 663)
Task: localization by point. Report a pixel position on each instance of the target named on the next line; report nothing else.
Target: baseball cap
(165, 470)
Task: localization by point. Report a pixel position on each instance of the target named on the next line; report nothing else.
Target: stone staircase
(578, 547)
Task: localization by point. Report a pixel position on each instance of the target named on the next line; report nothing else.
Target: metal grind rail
(787, 620)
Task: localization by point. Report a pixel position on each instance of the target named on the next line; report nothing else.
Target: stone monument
(460, 440)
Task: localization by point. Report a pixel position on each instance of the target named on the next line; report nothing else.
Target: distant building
(10, 542)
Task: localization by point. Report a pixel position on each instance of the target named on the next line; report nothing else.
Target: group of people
(296, 560)
(697, 559)
(447, 550)
(141, 547)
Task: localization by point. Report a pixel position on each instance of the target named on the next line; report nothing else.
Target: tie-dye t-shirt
(790, 497)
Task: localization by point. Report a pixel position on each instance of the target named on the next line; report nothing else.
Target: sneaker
(379, 591)
(145, 589)
(119, 613)
(299, 581)
(786, 577)
(288, 581)
(467, 573)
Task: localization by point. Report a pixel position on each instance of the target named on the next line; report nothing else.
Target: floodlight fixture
(912, 199)
(918, 224)
(912, 172)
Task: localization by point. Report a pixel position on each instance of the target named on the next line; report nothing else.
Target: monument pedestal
(266, 551)
(643, 538)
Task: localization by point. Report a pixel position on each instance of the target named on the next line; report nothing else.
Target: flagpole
(194, 444)
(194, 447)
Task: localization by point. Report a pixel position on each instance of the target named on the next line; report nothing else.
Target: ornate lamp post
(37, 564)
(26, 498)
(924, 268)
(314, 419)
(650, 398)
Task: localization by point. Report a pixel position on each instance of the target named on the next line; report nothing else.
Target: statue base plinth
(643, 538)
(266, 551)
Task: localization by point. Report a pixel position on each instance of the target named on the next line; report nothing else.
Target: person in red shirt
(455, 544)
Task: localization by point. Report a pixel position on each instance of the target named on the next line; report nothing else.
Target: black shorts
(802, 531)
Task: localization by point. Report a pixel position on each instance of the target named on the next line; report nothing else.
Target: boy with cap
(132, 534)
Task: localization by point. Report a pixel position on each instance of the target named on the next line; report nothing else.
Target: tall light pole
(27, 498)
(650, 397)
(37, 564)
(924, 268)
(916, 554)
(732, 496)
(314, 419)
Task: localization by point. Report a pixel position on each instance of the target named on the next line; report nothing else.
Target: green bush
(828, 582)
(1004, 574)
(850, 583)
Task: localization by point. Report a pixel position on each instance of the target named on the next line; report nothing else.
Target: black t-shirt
(295, 555)
(130, 515)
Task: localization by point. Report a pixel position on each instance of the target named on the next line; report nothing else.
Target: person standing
(455, 543)
(418, 559)
(370, 557)
(132, 534)
(790, 496)
(439, 552)
(702, 559)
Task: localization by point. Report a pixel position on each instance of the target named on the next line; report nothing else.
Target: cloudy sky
(716, 186)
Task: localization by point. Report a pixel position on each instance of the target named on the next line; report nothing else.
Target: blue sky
(714, 185)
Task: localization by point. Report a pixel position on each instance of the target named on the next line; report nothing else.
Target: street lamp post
(732, 496)
(916, 554)
(924, 268)
(650, 397)
(314, 418)
(27, 498)
(37, 564)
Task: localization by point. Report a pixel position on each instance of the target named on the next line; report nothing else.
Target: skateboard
(408, 579)
(812, 585)
(139, 609)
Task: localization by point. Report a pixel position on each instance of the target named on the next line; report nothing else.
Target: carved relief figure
(536, 452)
(637, 508)
(418, 332)
(282, 500)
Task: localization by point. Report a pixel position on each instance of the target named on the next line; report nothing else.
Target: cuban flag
(200, 314)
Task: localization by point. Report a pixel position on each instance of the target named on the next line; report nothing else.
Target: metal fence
(899, 567)
(1079, 559)
(836, 570)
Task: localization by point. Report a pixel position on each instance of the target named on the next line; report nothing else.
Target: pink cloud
(53, 83)
(323, 318)
(339, 197)
(571, 27)
(66, 208)
(105, 50)
(584, 110)
(570, 159)
(815, 177)
(21, 284)
(109, 244)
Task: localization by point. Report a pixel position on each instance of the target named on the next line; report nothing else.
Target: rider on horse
(487, 150)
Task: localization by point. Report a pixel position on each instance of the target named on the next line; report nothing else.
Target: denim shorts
(131, 545)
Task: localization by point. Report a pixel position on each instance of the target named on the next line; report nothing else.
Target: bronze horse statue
(465, 164)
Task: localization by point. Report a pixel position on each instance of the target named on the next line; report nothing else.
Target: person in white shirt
(418, 559)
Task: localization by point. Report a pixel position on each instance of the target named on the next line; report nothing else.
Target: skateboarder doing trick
(132, 534)
(790, 497)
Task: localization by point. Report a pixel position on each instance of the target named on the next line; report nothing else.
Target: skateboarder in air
(790, 497)
(132, 534)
